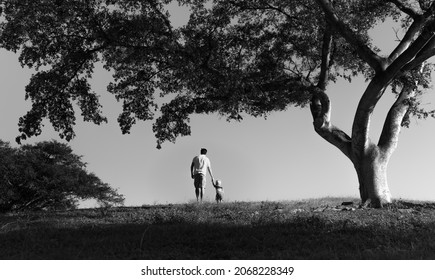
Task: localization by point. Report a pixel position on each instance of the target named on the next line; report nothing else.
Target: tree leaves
(48, 175)
(232, 57)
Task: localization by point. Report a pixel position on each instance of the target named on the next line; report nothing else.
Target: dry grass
(309, 229)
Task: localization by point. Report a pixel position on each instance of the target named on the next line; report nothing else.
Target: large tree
(233, 57)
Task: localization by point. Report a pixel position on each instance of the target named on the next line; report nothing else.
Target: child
(219, 190)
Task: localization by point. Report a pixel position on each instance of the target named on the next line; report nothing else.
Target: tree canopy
(232, 57)
(48, 175)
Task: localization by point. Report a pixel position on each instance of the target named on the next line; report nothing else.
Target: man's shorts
(199, 181)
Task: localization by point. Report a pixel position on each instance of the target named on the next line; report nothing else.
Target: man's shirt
(200, 163)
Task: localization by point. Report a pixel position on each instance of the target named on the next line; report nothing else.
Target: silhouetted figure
(198, 170)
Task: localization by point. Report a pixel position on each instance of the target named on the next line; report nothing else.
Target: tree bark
(371, 169)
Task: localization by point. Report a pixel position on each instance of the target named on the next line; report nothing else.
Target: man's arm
(192, 166)
(211, 173)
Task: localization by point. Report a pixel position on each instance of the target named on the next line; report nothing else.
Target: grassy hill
(309, 229)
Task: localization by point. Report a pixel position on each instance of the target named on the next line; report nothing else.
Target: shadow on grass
(308, 237)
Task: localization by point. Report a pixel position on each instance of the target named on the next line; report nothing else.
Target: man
(198, 170)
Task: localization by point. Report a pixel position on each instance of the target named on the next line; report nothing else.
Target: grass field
(309, 229)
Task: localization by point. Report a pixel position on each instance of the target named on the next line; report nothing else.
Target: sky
(277, 159)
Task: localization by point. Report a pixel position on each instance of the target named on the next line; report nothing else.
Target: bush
(48, 175)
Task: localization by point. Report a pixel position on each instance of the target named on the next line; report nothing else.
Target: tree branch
(423, 42)
(366, 105)
(321, 106)
(326, 58)
(393, 123)
(419, 60)
(408, 38)
(427, 52)
(266, 7)
(406, 9)
(368, 55)
(321, 111)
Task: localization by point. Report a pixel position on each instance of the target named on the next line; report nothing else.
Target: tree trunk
(370, 160)
(372, 177)
(404, 66)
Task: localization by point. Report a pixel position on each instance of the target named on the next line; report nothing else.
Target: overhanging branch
(368, 55)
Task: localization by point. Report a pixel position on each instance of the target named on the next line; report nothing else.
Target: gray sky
(280, 158)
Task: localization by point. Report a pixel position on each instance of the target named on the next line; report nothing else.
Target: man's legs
(199, 183)
(199, 193)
